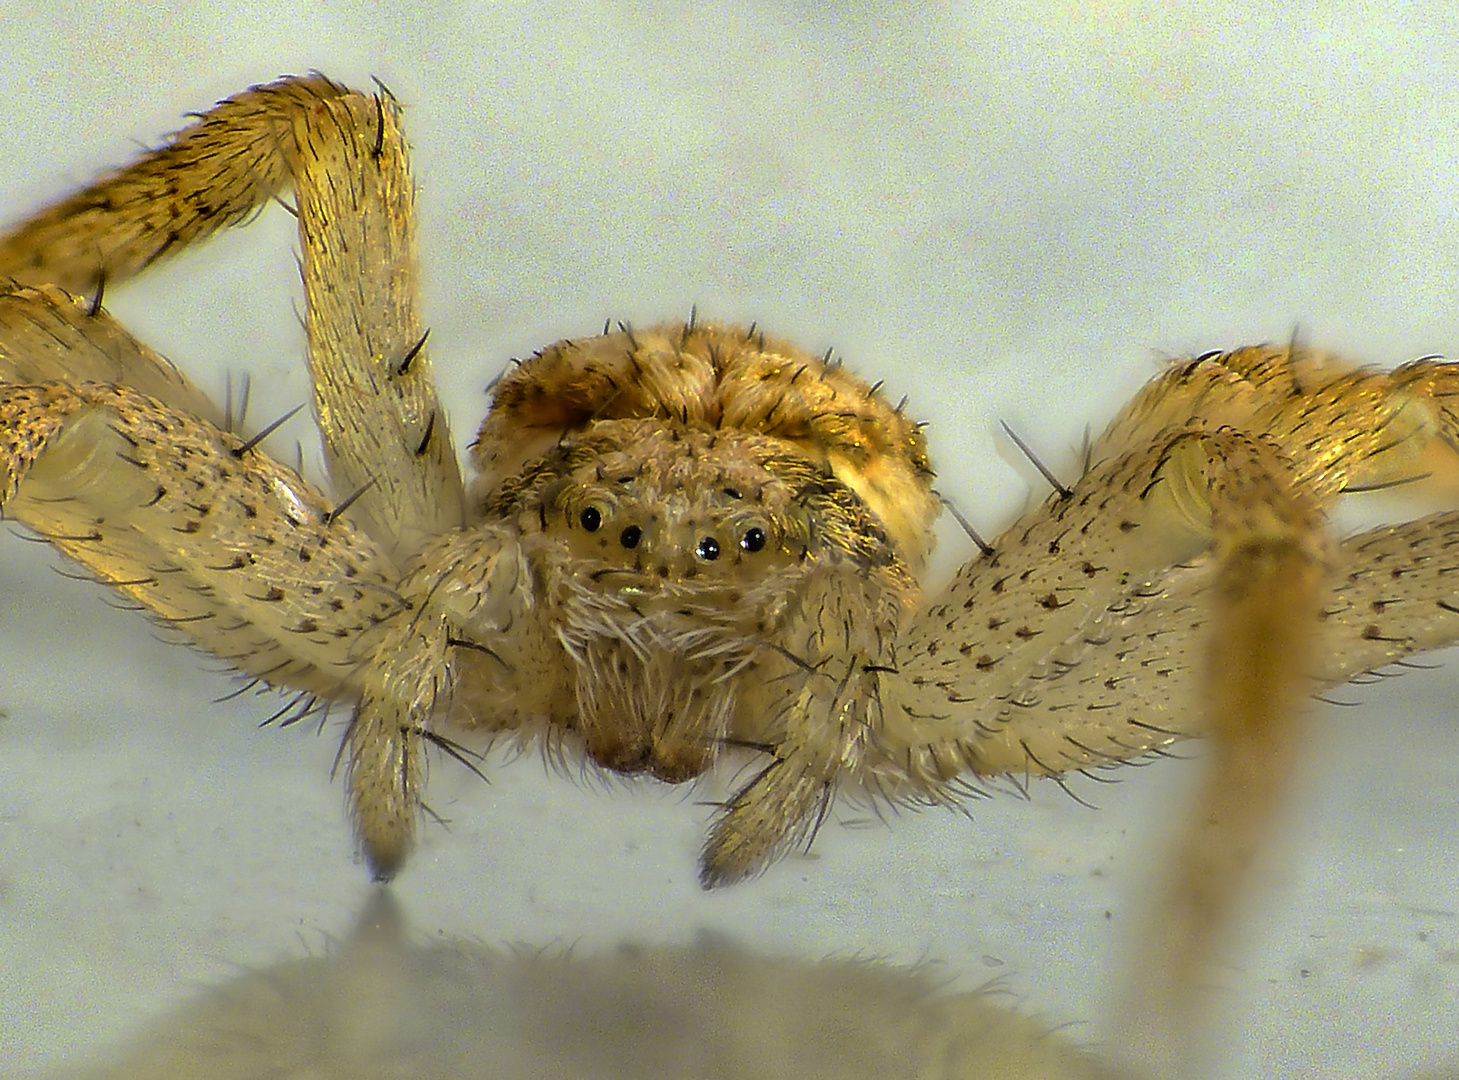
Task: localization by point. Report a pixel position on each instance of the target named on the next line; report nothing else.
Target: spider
(694, 541)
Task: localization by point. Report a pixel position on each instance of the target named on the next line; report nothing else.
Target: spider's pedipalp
(468, 586)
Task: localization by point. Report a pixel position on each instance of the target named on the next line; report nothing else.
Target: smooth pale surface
(1007, 214)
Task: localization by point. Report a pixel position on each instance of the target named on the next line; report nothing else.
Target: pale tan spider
(695, 540)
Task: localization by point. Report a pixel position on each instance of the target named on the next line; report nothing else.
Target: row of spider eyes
(752, 539)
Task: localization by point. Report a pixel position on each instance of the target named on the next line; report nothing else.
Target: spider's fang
(95, 308)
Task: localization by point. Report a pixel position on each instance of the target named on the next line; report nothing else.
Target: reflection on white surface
(380, 1007)
(1005, 215)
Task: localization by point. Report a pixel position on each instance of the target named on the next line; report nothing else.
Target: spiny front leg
(235, 551)
(1076, 643)
(206, 533)
(214, 173)
(344, 153)
(1079, 641)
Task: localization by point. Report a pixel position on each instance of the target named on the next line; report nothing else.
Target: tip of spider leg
(384, 865)
(383, 875)
(711, 878)
(717, 871)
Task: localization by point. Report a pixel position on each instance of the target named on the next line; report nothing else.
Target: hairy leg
(344, 154)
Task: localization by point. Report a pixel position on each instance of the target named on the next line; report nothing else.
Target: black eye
(591, 518)
(754, 539)
(630, 536)
(708, 549)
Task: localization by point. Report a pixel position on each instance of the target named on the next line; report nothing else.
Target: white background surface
(1007, 211)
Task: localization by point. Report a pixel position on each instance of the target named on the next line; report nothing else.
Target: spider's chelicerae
(693, 539)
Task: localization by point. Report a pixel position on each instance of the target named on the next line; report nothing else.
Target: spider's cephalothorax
(700, 526)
